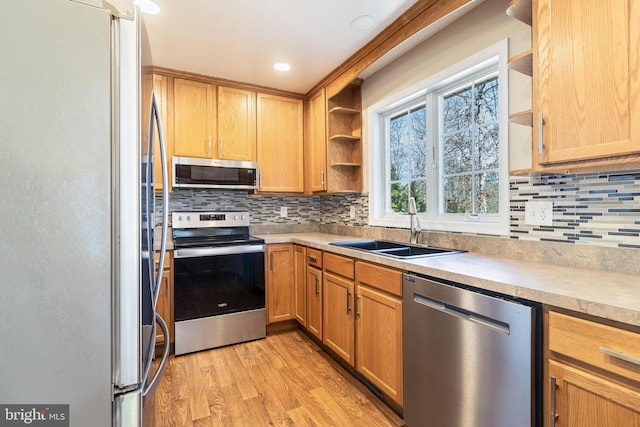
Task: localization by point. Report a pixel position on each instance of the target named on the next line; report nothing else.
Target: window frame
(469, 69)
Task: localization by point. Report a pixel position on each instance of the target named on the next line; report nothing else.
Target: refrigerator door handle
(165, 197)
(157, 283)
(151, 386)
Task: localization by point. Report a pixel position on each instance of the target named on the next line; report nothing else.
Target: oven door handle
(225, 250)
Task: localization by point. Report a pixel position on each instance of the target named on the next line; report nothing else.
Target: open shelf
(344, 145)
(522, 63)
(520, 10)
(522, 118)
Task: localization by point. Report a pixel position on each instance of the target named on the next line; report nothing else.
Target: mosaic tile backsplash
(591, 209)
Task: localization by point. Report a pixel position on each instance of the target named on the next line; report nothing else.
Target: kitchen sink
(396, 249)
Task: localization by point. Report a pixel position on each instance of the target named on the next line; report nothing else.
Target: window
(443, 142)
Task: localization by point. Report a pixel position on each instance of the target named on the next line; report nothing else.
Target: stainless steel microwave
(192, 172)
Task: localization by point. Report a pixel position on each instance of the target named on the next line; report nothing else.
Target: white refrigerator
(77, 282)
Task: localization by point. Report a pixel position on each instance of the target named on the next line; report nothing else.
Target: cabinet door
(280, 144)
(194, 122)
(314, 301)
(164, 306)
(588, 78)
(585, 399)
(316, 143)
(236, 124)
(300, 285)
(159, 85)
(338, 318)
(379, 340)
(280, 292)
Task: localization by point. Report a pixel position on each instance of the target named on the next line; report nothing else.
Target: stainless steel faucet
(415, 222)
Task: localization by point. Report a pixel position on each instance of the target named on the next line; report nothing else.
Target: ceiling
(241, 39)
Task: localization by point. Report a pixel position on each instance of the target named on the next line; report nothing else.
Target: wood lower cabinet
(164, 306)
(583, 398)
(279, 277)
(596, 372)
(379, 327)
(314, 301)
(338, 316)
(337, 306)
(300, 283)
(280, 144)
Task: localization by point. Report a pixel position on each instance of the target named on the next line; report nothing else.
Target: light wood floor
(283, 380)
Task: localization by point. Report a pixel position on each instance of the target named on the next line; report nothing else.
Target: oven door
(219, 281)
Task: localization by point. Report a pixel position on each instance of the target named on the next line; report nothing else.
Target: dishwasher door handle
(463, 314)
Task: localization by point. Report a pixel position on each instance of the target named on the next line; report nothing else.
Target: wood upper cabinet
(316, 142)
(338, 301)
(159, 85)
(280, 282)
(596, 371)
(164, 306)
(588, 81)
(379, 327)
(300, 283)
(280, 143)
(194, 118)
(236, 124)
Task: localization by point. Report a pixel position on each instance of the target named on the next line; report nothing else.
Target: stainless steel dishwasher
(470, 359)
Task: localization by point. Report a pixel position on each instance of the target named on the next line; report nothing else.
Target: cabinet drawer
(339, 265)
(379, 277)
(598, 345)
(314, 257)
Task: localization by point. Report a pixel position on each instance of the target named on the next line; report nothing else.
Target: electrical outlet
(538, 213)
(283, 212)
(352, 212)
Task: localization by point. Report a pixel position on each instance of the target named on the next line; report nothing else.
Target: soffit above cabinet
(241, 40)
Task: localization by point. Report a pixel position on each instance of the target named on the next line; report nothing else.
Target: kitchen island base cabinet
(280, 282)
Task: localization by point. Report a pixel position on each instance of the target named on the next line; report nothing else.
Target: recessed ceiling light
(363, 23)
(148, 6)
(281, 66)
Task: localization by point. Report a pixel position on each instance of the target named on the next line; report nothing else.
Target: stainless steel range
(219, 292)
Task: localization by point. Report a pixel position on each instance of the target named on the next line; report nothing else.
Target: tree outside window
(468, 140)
(469, 143)
(407, 159)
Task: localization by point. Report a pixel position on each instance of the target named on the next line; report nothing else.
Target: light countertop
(606, 294)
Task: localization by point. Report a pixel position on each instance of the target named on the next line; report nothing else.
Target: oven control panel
(209, 219)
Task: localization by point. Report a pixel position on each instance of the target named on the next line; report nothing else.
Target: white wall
(483, 26)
